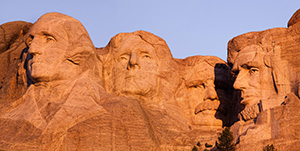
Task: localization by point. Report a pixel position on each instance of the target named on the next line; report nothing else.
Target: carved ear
(80, 50)
(78, 57)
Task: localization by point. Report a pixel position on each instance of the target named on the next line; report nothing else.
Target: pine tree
(195, 148)
(269, 148)
(225, 141)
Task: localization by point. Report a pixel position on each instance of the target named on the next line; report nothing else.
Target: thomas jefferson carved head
(59, 48)
(136, 63)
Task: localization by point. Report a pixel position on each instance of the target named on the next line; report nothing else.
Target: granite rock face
(130, 95)
(266, 70)
(12, 74)
(59, 93)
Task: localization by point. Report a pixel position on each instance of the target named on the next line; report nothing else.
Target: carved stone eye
(253, 70)
(29, 40)
(124, 57)
(197, 86)
(234, 73)
(201, 86)
(49, 38)
(146, 56)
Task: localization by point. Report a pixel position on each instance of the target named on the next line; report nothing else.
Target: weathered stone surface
(294, 19)
(207, 86)
(13, 82)
(11, 33)
(130, 95)
(59, 92)
(61, 67)
(266, 68)
(277, 126)
(140, 65)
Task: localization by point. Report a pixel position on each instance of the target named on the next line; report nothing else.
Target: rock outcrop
(130, 95)
(13, 81)
(60, 93)
(266, 68)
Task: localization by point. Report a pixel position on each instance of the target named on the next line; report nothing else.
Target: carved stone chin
(250, 112)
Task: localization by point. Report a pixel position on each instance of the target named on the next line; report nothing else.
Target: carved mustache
(207, 105)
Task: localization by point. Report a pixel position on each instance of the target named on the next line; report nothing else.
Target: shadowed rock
(13, 80)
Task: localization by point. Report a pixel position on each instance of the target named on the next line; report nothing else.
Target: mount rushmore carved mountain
(59, 92)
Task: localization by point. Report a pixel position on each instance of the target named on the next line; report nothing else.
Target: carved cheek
(255, 80)
(120, 66)
(149, 64)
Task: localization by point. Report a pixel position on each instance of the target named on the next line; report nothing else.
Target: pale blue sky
(190, 27)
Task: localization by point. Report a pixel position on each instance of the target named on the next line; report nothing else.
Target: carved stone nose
(34, 49)
(241, 81)
(133, 62)
(211, 94)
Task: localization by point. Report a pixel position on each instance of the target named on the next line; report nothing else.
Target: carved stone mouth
(207, 105)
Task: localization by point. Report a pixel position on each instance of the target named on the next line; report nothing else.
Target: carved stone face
(56, 52)
(136, 68)
(200, 81)
(253, 77)
(47, 46)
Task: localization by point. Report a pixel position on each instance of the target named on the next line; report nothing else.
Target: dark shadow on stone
(226, 94)
(25, 67)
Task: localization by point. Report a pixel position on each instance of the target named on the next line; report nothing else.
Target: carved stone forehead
(204, 67)
(51, 23)
(59, 25)
(201, 71)
(65, 27)
(252, 53)
(144, 39)
(131, 42)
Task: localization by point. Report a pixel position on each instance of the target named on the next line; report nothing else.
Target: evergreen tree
(225, 141)
(198, 144)
(269, 148)
(195, 148)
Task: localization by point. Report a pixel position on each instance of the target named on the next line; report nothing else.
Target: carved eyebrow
(123, 54)
(145, 52)
(195, 82)
(47, 34)
(249, 64)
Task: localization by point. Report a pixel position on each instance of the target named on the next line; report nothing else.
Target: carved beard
(250, 112)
